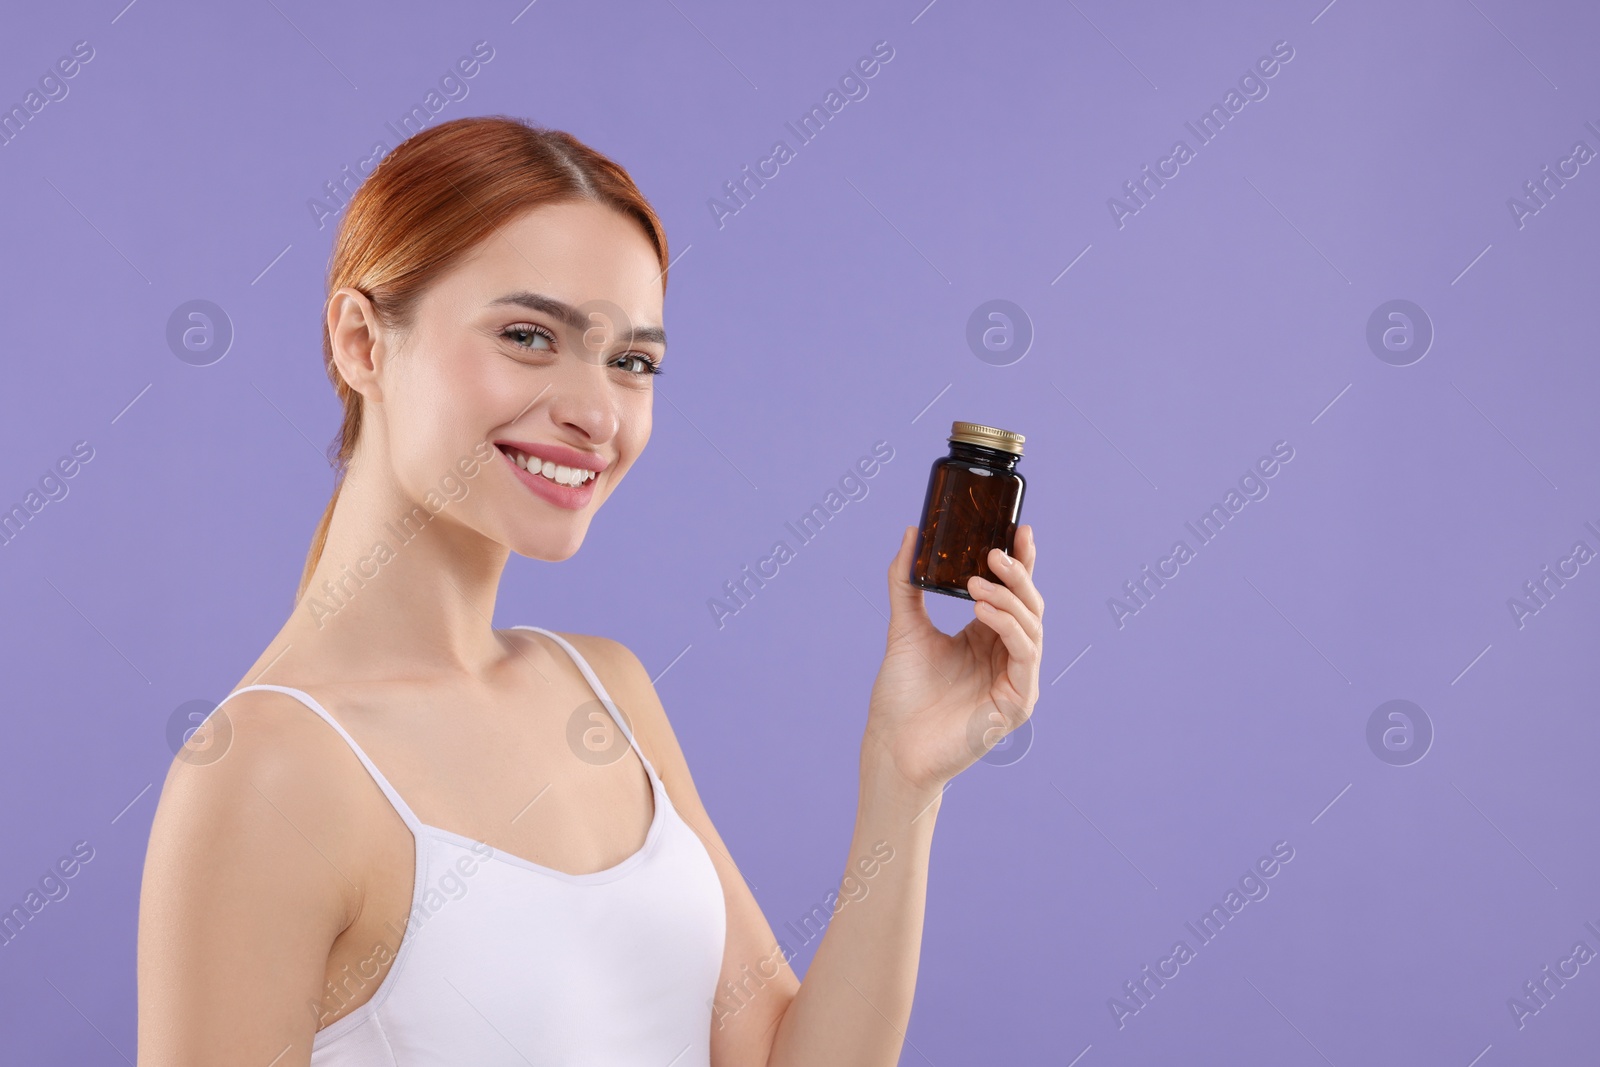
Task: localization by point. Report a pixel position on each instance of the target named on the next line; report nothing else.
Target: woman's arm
(241, 899)
(854, 1004)
(940, 701)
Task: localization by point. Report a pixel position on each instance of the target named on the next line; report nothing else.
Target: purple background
(831, 312)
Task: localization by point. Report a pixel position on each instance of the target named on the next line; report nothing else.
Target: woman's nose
(581, 398)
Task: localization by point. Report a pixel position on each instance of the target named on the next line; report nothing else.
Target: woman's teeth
(573, 476)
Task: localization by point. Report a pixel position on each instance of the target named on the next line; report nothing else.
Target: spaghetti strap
(408, 816)
(599, 689)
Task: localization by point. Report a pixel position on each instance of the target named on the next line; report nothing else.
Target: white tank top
(504, 961)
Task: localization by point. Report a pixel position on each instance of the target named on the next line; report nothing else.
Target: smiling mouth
(572, 477)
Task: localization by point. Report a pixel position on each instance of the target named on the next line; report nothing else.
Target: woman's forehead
(574, 253)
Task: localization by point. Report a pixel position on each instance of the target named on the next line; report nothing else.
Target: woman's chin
(550, 547)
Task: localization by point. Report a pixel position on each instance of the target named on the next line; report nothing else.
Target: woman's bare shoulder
(254, 867)
(618, 668)
(633, 691)
(263, 782)
(252, 740)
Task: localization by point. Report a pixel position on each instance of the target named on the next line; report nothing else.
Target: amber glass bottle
(973, 504)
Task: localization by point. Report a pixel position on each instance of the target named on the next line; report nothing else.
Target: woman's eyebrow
(570, 315)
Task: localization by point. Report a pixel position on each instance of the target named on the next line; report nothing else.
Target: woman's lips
(562, 496)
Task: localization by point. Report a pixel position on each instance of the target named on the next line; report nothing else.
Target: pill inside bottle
(973, 504)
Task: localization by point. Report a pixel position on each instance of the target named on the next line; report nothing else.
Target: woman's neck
(400, 589)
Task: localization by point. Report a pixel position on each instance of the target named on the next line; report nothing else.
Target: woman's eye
(528, 336)
(644, 365)
(524, 334)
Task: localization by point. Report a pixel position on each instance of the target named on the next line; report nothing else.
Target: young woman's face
(539, 344)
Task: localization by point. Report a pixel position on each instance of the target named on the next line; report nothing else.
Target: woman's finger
(1023, 652)
(1016, 576)
(907, 610)
(1009, 602)
(1027, 548)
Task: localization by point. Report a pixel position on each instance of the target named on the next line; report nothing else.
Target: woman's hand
(942, 700)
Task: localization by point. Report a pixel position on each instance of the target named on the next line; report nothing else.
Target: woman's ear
(357, 340)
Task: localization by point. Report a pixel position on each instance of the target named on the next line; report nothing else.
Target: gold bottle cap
(973, 433)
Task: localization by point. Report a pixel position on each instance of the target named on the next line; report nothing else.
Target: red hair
(431, 201)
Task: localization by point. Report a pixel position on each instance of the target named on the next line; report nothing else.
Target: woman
(406, 841)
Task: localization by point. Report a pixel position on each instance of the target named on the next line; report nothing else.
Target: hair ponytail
(349, 430)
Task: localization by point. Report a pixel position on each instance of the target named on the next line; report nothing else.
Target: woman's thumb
(906, 607)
